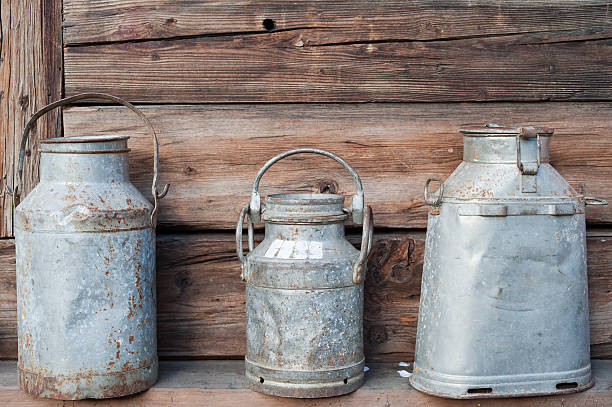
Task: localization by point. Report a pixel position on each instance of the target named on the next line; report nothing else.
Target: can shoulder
(83, 207)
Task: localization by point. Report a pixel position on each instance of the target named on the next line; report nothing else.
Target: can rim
(305, 198)
(493, 130)
(85, 139)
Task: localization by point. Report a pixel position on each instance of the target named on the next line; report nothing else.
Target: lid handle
(26, 132)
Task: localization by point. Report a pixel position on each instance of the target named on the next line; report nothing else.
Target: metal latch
(528, 170)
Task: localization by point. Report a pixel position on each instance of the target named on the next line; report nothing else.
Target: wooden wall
(384, 84)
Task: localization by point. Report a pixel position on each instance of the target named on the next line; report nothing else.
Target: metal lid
(498, 130)
(304, 208)
(88, 144)
(85, 139)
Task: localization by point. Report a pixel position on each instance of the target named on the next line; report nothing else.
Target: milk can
(85, 243)
(504, 307)
(304, 290)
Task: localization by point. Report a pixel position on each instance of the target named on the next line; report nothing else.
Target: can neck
(503, 149)
(79, 167)
(316, 232)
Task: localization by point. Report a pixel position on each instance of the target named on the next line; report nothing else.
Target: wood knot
(171, 21)
(377, 335)
(183, 279)
(189, 170)
(328, 187)
(155, 56)
(24, 102)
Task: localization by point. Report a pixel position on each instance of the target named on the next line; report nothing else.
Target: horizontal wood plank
(210, 154)
(201, 297)
(280, 67)
(324, 21)
(221, 383)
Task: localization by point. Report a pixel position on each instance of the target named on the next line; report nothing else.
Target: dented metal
(85, 245)
(304, 301)
(504, 307)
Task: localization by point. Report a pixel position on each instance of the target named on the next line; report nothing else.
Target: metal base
(301, 384)
(477, 387)
(88, 386)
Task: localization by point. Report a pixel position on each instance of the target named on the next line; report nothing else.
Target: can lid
(87, 144)
(493, 130)
(85, 139)
(304, 208)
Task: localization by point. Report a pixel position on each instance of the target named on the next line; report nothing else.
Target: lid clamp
(528, 169)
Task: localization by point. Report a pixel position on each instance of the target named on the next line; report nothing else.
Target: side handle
(367, 240)
(239, 251)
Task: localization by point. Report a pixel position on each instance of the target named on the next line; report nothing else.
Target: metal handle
(438, 199)
(26, 131)
(591, 200)
(367, 239)
(357, 203)
(244, 212)
(528, 132)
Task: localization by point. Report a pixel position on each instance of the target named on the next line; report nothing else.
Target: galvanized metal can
(304, 294)
(504, 307)
(85, 243)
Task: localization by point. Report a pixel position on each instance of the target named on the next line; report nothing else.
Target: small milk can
(504, 307)
(304, 291)
(85, 243)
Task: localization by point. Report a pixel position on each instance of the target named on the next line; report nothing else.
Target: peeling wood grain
(201, 297)
(210, 154)
(30, 77)
(325, 21)
(278, 68)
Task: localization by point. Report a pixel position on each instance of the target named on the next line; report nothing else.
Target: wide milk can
(85, 242)
(304, 291)
(504, 308)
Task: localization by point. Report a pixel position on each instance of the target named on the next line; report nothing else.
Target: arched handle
(438, 199)
(62, 102)
(367, 239)
(244, 213)
(357, 203)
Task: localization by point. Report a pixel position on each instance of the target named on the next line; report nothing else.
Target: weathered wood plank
(30, 77)
(278, 67)
(201, 297)
(210, 154)
(324, 21)
(8, 300)
(221, 383)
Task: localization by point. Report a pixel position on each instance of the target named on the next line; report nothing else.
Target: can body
(304, 312)
(504, 306)
(85, 275)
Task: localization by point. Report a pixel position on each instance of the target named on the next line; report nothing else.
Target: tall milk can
(304, 290)
(504, 307)
(85, 243)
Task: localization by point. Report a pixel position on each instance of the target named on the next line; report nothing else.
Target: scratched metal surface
(85, 251)
(504, 307)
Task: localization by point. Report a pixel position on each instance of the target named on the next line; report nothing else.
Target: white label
(286, 250)
(291, 249)
(315, 250)
(273, 249)
(301, 250)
